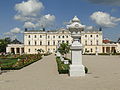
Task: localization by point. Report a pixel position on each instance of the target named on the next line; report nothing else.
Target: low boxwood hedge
(64, 68)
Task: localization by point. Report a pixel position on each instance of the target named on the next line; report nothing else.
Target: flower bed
(22, 61)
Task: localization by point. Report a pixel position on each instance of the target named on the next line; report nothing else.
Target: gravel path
(104, 74)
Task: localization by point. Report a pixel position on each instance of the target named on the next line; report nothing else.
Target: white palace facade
(49, 41)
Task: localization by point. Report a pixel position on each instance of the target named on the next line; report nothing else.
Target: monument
(76, 68)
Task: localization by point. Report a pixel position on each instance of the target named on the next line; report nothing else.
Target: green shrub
(64, 68)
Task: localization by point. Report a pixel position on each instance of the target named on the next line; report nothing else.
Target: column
(15, 50)
(105, 49)
(20, 50)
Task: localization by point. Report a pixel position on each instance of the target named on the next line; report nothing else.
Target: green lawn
(8, 61)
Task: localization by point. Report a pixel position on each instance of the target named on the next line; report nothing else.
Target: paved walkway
(43, 75)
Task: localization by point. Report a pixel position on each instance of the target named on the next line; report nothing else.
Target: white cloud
(104, 19)
(29, 12)
(46, 21)
(29, 25)
(89, 27)
(29, 8)
(8, 33)
(106, 2)
(16, 30)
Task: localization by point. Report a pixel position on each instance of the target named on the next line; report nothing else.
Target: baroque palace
(49, 41)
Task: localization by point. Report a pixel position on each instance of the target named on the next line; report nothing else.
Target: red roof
(106, 41)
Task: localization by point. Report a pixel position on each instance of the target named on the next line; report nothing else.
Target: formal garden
(16, 62)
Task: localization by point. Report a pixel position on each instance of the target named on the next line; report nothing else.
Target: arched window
(40, 36)
(86, 42)
(35, 36)
(48, 42)
(90, 35)
(35, 43)
(91, 42)
(91, 50)
(97, 42)
(53, 36)
(28, 36)
(53, 42)
(40, 42)
(28, 42)
(96, 35)
(66, 36)
(28, 50)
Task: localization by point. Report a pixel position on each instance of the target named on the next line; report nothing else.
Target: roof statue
(75, 23)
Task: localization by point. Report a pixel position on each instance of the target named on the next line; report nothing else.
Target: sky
(53, 14)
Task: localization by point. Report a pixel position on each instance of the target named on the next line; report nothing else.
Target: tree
(64, 49)
(40, 51)
(4, 43)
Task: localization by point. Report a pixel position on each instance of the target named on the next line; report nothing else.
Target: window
(53, 36)
(40, 42)
(62, 36)
(53, 42)
(29, 36)
(40, 36)
(59, 36)
(28, 42)
(96, 35)
(67, 41)
(63, 41)
(97, 42)
(91, 50)
(66, 36)
(48, 42)
(85, 35)
(58, 41)
(48, 36)
(53, 49)
(91, 42)
(28, 50)
(35, 43)
(86, 42)
(35, 36)
(90, 35)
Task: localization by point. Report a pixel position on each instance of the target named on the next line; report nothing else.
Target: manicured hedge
(64, 68)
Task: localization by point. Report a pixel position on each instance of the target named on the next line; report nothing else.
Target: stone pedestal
(76, 69)
(75, 27)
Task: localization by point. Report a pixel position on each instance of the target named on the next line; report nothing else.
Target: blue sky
(64, 10)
